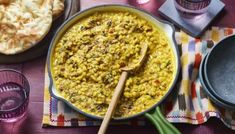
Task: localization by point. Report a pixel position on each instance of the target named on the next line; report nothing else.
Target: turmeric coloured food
(87, 59)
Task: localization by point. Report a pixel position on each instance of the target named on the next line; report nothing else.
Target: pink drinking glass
(192, 8)
(14, 95)
(142, 1)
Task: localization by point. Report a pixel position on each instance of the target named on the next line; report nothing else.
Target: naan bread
(58, 8)
(4, 1)
(23, 23)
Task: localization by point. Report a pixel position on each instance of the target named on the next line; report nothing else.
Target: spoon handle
(113, 103)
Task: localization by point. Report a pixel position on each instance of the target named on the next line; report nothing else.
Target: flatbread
(23, 23)
(4, 1)
(58, 8)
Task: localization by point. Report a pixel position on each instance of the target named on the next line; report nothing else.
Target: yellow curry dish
(87, 59)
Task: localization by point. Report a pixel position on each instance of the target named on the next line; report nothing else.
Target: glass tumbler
(14, 95)
(191, 8)
(142, 1)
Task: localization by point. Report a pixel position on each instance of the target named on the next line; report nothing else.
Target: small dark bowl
(209, 91)
(219, 71)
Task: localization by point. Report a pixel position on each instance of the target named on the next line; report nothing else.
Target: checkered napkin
(188, 103)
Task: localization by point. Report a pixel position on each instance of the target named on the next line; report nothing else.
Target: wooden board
(40, 49)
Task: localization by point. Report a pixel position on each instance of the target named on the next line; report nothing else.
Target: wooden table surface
(34, 71)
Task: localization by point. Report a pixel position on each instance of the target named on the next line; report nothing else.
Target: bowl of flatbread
(24, 23)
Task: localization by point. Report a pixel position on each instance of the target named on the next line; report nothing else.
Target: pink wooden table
(34, 71)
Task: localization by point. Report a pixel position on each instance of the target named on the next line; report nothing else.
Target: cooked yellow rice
(87, 61)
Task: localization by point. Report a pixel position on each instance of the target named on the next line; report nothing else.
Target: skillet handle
(159, 121)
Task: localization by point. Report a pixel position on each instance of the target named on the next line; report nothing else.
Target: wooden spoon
(119, 87)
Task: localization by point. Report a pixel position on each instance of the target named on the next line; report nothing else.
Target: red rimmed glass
(14, 95)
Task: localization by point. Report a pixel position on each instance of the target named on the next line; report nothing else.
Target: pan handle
(159, 121)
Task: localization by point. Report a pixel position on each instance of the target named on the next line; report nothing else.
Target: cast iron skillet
(152, 113)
